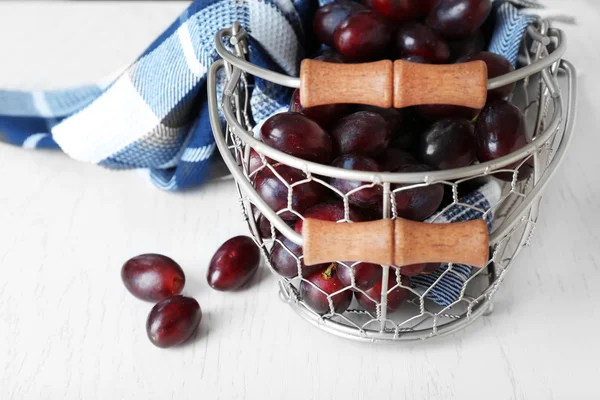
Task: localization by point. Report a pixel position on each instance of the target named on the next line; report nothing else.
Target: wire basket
(549, 110)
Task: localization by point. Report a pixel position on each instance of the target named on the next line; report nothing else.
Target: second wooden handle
(399, 84)
(395, 242)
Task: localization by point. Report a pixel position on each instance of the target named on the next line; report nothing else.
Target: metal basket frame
(542, 53)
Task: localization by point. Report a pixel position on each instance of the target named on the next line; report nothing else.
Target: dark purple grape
(328, 282)
(466, 46)
(414, 39)
(395, 297)
(496, 66)
(362, 133)
(297, 135)
(448, 143)
(458, 18)
(364, 36)
(415, 59)
(331, 211)
(365, 275)
(394, 159)
(434, 112)
(325, 116)
(284, 263)
(256, 162)
(392, 116)
(366, 197)
(152, 277)
(330, 16)
(233, 264)
(398, 10)
(173, 320)
(418, 203)
(275, 193)
(499, 131)
(412, 270)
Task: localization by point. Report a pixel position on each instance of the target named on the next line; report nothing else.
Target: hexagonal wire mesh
(524, 173)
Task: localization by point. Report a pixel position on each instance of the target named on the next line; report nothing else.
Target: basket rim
(484, 168)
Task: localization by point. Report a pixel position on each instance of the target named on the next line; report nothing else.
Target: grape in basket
(319, 287)
(499, 131)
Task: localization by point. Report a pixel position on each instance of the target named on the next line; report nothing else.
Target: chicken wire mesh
(397, 307)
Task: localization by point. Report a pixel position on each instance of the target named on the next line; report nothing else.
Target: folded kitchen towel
(155, 115)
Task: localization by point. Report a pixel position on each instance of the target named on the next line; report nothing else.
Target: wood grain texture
(69, 330)
(458, 242)
(400, 242)
(330, 83)
(401, 84)
(458, 84)
(326, 241)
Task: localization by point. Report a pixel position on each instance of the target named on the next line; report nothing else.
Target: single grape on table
(152, 277)
(233, 264)
(173, 320)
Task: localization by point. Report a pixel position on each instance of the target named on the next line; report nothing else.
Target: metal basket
(549, 110)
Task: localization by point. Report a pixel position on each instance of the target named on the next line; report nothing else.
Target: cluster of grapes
(158, 278)
(366, 138)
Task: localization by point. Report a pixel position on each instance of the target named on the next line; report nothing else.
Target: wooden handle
(457, 84)
(399, 84)
(331, 83)
(396, 242)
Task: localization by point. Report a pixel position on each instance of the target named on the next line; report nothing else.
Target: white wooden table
(69, 330)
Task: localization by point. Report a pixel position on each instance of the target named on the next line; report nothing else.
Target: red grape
(233, 264)
(328, 282)
(411, 270)
(398, 10)
(332, 211)
(364, 36)
(330, 16)
(152, 277)
(284, 263)
(323, 115)
(448, 143)
(365, 275)
(418, 203)
(434, 112)
(395, 297)
(496, 66)
(295, 134)
(459, 18)
(173, 320)
(366, 197)
(392, 116)
(275, 193)
(394, 159)
(362, 133)
(500, 130)
(414, 39)
(255, 162)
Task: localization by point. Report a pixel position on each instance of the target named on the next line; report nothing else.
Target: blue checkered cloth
(155, 114)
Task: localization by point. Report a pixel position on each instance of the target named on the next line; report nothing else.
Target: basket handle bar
(399, 84)
(294, 82)
(397, 242)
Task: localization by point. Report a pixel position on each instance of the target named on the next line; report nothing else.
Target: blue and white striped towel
(154, 115)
